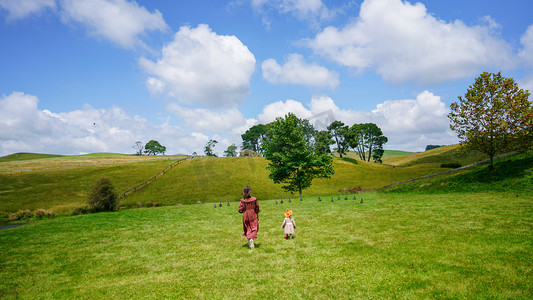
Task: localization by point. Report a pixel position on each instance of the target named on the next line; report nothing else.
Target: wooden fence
(447, 171)
(161, 173)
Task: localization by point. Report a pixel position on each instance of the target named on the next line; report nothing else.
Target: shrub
(81, 211)
(102, 196)
(21, 215)
(451, 165)
(355, 189)
(42, 213)
(248, 152)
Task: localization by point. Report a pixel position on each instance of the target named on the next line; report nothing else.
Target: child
(249, 207)
(288, 225)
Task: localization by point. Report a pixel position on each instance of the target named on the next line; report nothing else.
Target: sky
(87, 76)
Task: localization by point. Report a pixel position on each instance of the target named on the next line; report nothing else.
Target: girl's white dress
(288, 225)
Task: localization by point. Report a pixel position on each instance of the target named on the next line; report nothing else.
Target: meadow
(391, 246)
(463, 236)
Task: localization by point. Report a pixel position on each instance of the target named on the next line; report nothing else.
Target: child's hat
(288, 213)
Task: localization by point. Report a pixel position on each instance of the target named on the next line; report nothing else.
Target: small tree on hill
(153, 147)
(494, 116)
(231, 151)
(291, 160)
(139, 147)
(208, 150)
(338, 130)
(102, 196)
(367, 140)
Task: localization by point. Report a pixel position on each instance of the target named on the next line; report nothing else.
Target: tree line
(365, 139)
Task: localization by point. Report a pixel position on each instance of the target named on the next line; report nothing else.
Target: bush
(21, 215)
(42, 213)
(102, 196)
(451, 165)
(81, 211)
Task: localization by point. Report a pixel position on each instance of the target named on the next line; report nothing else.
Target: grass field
(392, 246)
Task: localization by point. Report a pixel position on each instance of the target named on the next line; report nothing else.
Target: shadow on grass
(504, 170)
(350, 160)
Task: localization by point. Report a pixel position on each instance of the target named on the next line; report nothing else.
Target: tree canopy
(367, 140)
(292, 160)
(494, 116)
(338, 130)
(253, 138)
(153, 147)
(208, 149)
(231, 151)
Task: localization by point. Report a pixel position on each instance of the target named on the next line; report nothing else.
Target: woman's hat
(288, 213)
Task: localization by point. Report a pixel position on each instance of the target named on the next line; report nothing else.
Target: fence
(162, 172)
(447, 171)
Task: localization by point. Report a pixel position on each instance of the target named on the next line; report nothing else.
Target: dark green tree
(494, 116)
(253, 138)
(231, 151)
(208, 149)
(291, 160)
(367, 140)
(153, 147)
(102, 196)
(338, 130)
(323, 140)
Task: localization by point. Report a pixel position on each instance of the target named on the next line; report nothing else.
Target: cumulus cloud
(202, 66)
(119, 21)
(225, 121)
(297, 71)
(26, 128)
(404, 43)
(526, 53)
(410, 124)
(19, 9)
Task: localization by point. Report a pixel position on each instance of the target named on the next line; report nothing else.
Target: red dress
(250, 223)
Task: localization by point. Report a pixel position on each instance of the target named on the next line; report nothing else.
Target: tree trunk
(300, 190)
(491, 163)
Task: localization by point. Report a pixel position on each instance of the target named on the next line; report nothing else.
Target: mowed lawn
(398, 245)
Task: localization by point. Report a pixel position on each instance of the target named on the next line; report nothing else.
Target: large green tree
(338, 130)
(153, 147)
(367, 140)
(323, 140)
(494, 116)
(253, 138)
(292, 160)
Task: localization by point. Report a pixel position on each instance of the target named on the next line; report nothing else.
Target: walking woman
(249, 207)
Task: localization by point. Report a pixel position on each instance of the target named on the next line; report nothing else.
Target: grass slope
(393, 246)
(437, 156)
(513, 174)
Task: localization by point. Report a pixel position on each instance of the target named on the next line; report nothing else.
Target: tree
(494, 116)
(138, 148)
(291, 160)
(322, 142)
(253, 138)
(102, 196)
(338, 130)
(153, 147)
(208, 150)
(231, 151)
(367, 140)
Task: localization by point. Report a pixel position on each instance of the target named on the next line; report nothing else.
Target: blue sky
(96, 76)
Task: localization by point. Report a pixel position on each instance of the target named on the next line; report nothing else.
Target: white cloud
(410, 124)
(19, 9)
(201, 66)
(26, 128)
(404, 43)
(119, 21)
(297, 71)
(224, 121)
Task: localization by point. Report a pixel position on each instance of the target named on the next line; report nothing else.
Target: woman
(249, 207)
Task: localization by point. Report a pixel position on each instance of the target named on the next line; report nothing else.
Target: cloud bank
(403, 43)
(297, 71)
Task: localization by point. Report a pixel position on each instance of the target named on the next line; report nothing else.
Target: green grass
(392, 246)
(512, 175)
